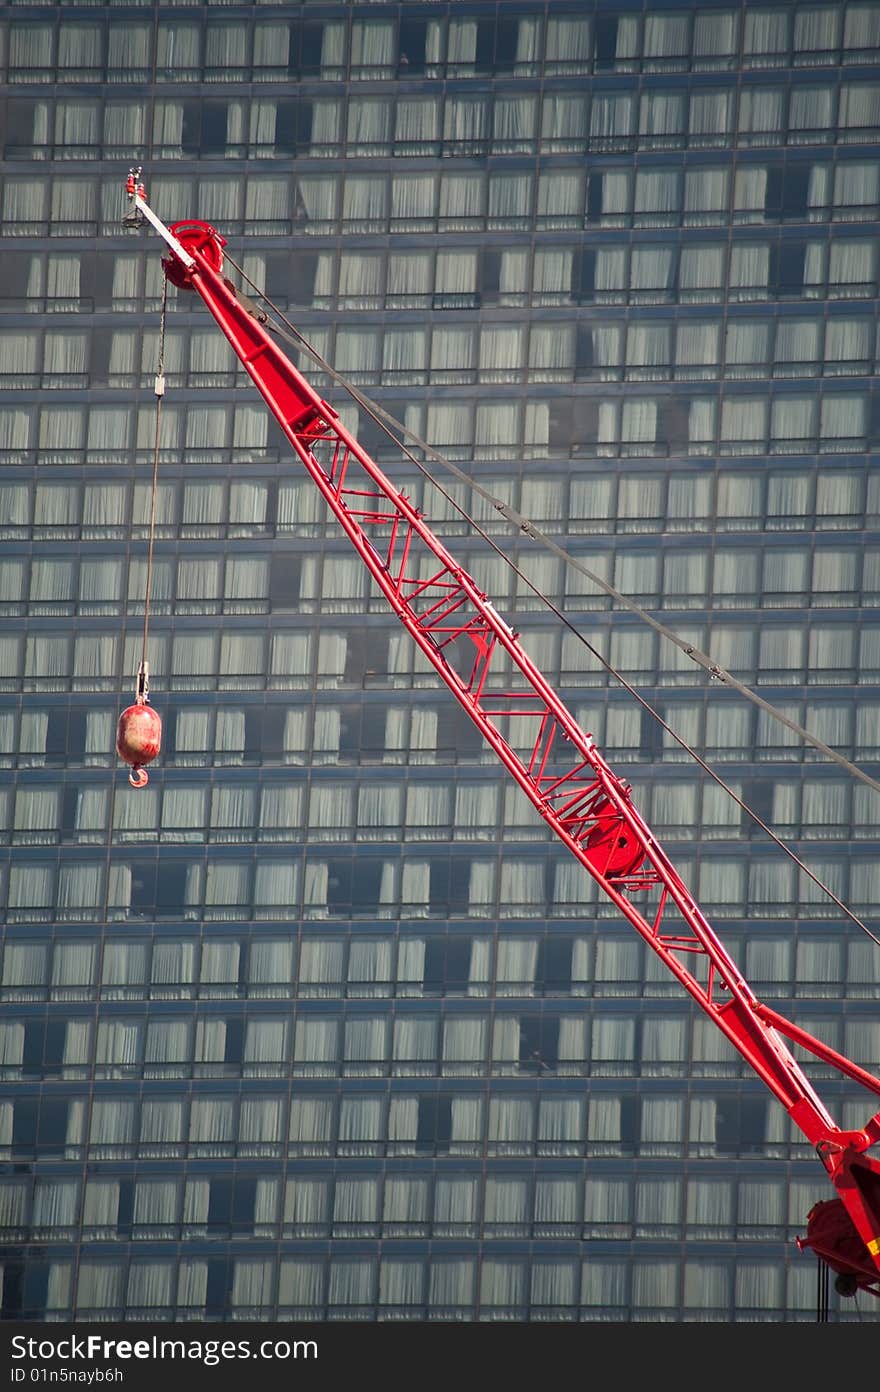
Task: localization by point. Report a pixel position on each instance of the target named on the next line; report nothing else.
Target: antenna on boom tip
(134, 189)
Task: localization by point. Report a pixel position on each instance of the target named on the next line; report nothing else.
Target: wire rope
(154, 490)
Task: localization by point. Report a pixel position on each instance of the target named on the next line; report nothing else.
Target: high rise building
(322, 1023)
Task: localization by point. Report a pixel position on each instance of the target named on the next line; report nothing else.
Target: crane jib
(557, 765)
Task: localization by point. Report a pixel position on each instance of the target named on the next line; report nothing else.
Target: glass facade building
(322, 1024)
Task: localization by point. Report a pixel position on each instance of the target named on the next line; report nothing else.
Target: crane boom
(537, 739)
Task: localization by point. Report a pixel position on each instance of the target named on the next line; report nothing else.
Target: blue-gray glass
(621, 265)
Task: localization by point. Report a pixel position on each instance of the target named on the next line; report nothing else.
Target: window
(434, 1125)
(766, 38)
(538, 1044)
(716, 40)
(816, 35)
(740, 1124)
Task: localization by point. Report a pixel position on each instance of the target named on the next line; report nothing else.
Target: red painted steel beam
(564, 775)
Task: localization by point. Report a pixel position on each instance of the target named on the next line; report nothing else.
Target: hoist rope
(388, 423)
(154, 491)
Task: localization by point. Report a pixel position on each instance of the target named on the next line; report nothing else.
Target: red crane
(557, 765)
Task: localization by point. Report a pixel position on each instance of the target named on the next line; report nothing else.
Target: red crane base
(832, 1235)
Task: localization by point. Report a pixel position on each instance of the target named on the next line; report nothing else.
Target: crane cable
(388, 423)
(154, 490)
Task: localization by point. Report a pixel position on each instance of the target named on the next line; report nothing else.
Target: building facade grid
(322, 1024)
